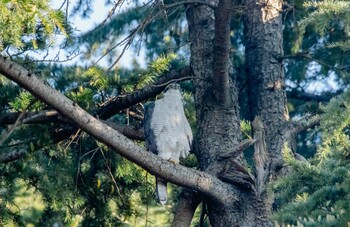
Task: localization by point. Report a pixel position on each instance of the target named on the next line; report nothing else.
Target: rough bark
(218, 123)
(221, 60)
(266, 81)
(185, 208)
(266, 86)
(194, 179)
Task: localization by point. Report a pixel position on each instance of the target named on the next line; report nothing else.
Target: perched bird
(168, 133)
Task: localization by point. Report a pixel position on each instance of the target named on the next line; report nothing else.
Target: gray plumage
(168, 133)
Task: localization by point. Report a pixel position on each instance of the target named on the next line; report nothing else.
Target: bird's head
(172, 89)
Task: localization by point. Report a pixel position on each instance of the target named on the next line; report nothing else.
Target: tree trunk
(267, 97)
(218, 125)
(241, 200)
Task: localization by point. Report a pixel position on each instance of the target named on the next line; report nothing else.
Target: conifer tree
(238, 68)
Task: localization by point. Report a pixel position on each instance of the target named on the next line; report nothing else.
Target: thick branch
(305, 96)
(222, 50)
(289, 131)
(11, 156)
(301, 126)
(121, 102)
(31, 117)
(47, 116)
(127, 131)
(186, 206)
(194, 179)
(241, 147)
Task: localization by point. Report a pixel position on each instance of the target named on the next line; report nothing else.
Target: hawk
(168, 133)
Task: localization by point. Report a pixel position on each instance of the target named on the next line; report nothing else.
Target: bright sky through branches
(82, 25)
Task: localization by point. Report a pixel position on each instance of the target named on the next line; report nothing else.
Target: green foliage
(29, 22)
(80, 182)
(25, 101)
(316, 193)
(246, 129)
(323, 17)
(315, 44)
(142, 79)
(335, 128)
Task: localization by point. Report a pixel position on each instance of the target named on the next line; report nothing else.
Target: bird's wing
(188, 132)
(149, 133)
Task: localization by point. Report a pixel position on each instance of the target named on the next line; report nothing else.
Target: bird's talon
(172, 161)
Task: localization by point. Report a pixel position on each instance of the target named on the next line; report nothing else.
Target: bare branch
(110, 13)
(11, 156)
(127, 131)
(119, 103)
(305, 96)
(178, 174)
(289, 131)
(304, 125)
(30, 117)
(309, 57)
(151, 16)
(18, 121)
(241, 147)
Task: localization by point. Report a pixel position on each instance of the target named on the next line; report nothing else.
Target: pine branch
(178, 174)
(308, 56)
(119, 103)
(12, 127)
(306, 96)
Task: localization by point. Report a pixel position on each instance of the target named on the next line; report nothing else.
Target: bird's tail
(161, 191)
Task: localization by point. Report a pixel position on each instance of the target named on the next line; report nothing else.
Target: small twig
(73, 138)
(87, 153)
(110, 13)
(18, 122)
(78, 170)
(56, 59)
(112, 177)
(63, 3)
(151, 17)
(174, 81)
(309, 57)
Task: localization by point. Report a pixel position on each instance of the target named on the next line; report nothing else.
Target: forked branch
(178, 174)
